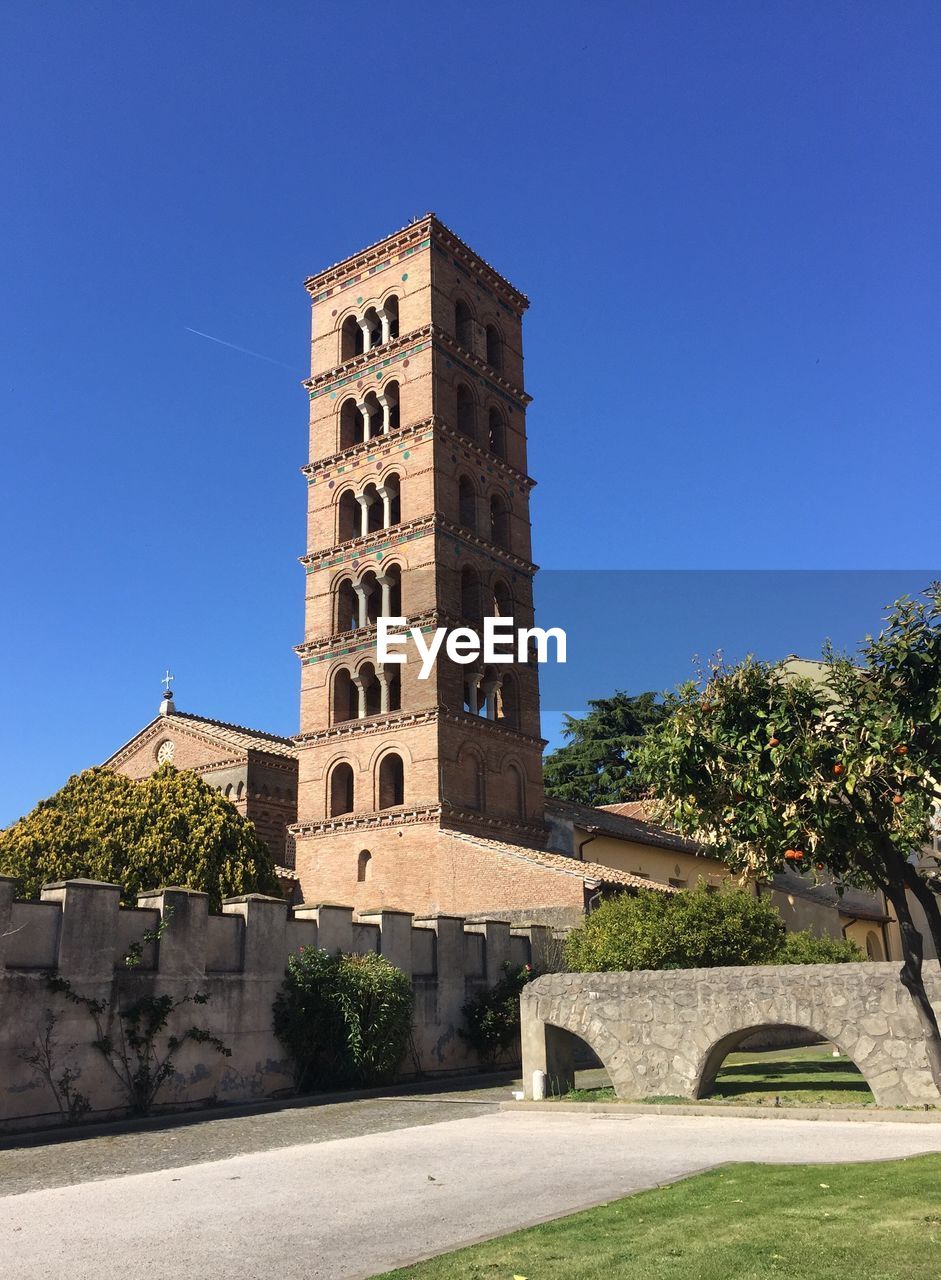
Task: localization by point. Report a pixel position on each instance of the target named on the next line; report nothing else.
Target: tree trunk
(912, 977)
(928, 901)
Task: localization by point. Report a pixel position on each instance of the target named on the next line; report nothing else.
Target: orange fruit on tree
(837, 769)
(902, 750)
(896, 799)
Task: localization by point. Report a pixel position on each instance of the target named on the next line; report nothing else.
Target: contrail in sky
(244, 350)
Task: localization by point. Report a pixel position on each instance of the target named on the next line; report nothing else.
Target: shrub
(693, 929)
(805, 948)
(169, 829)
(492, 1018)
(344, 1019)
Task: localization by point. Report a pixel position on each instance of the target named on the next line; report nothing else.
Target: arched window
(466, 416)
(347, 606)
(349, 521)
(373, 328)
(375, 509)
(371, 691)
(370, 588)
(467, 503)
(506, 702)
(517, 791)
(373, 416)
(874, 946)
(390, 328)
(393, 418)
(391, 781)
(496, 436)
(463, 325)
(351, 339)
(394, 686)
(341, 789)
(499, 522)
(470, 595)
(502, 600)
(392, 577)
(471, 780)
(345, 697)
(349, 424)
(494, 347)
(390, 491)
(362, 865)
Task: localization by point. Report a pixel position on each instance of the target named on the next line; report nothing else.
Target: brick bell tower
(418, 505)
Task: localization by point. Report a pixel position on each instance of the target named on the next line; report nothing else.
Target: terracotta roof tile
(568, 866)
(234, 735)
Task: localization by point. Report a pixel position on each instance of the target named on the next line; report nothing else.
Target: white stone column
(363, 408)
(383, 678)
(473, 691)
(386, 494)
(367, 333)
(358, 683)
(386, 321)
(489, 690)
(386, 583)
(386, 414)
(361, 597)
(365, 501)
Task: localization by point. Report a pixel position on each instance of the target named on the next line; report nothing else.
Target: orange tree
(839, 772)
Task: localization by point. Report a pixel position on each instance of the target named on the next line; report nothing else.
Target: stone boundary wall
(665, 1033)
(79, 930)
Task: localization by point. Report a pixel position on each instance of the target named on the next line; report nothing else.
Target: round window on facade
(165, 752)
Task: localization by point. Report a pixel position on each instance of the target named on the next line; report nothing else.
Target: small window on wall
(362, 865)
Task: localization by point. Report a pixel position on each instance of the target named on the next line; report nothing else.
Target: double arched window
(389, 784)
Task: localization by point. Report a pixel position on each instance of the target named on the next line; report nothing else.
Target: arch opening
(787, 1058)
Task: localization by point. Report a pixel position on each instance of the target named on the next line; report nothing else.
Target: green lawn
(744, 1222)
(809, 1077)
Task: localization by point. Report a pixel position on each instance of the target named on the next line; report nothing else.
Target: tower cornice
(368, 726)
(408, 344)
(357, 548)
(403, 243)
(365, 448)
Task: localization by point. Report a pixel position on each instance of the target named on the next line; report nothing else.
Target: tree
(169, 829)
(772, 770)
(805, 947)
(694, 929)
(596, 765)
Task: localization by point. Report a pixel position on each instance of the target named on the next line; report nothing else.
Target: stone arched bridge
(666, 1032)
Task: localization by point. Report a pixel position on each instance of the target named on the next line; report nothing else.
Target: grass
(743, 1222)
(809, 1077)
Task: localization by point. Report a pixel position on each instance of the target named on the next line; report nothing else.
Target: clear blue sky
(726, 216)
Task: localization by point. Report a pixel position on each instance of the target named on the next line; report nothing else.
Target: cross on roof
(168, 680)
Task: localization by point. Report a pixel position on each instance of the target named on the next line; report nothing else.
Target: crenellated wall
(80, 930)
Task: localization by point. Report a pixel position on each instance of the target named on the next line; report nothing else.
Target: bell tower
(418, 506)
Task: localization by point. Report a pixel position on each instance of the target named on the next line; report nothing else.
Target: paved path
(356, 1206)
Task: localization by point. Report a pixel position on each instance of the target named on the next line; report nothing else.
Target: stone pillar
(489, 689)
(181, 950)
(367, 418)
(395, 936)
(450, 968)
(386, 494)
(386, 584)
(360, 686)
(88, 934)
(362, 601)
(386, 414)
(7, 894)
(334, 925)
(266, 947)
(545, 1048)
(365, 502)
(367, 333)
(496, 946)
(386, 321)
(473, 679)
(383, 678)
